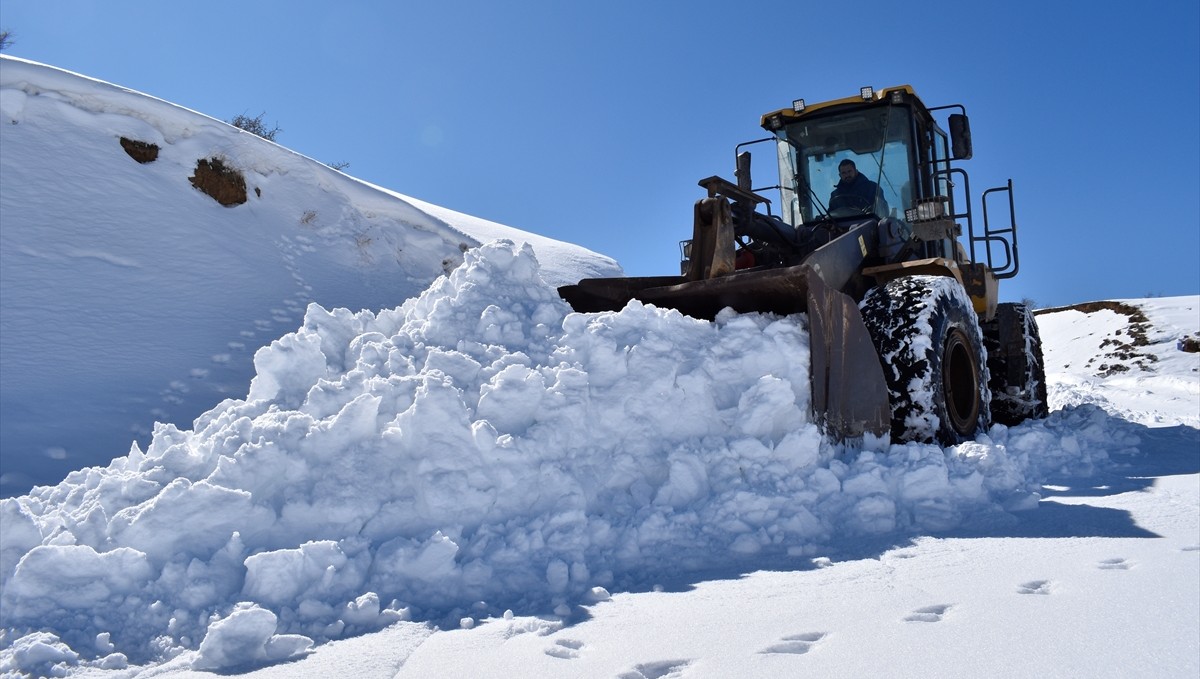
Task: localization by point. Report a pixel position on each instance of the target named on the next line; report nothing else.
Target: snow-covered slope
(1127, 356)
(129, 296)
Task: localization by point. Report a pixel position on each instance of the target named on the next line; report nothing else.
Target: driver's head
(847, 170)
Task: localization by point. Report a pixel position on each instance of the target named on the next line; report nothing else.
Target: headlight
(926, 210)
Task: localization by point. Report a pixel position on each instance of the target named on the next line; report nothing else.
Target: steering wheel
(849, 205)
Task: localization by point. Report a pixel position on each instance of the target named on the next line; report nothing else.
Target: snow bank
(173, 291)
(479, 448)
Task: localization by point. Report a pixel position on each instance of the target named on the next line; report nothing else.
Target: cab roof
(788, 115)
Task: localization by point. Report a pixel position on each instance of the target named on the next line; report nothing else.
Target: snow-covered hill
(478, 482)
(129, 296)
(1134, 358)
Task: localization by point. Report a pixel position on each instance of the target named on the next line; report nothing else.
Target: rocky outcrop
(226, 185)
(141, 151)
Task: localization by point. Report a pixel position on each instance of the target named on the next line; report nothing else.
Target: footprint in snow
(928, 614)
(662, 669)
(565, 649)
(1116, 565)
(797, 644)
(1035, 587)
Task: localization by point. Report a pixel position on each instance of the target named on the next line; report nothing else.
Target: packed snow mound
(130, 297)
(477, 449)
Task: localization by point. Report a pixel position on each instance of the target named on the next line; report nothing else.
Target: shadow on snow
(1169, 451)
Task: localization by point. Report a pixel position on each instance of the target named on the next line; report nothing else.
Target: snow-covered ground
(1126, 358)
(479, 483)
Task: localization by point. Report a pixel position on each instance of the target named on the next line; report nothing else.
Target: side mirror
(742, 172)
(960, 136)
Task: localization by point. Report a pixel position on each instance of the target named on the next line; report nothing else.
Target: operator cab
(896, 145)
(889, 136)
(878, 144)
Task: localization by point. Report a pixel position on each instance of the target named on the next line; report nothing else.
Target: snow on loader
(908, 336)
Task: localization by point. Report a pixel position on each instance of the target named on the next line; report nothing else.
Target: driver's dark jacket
(859, 187)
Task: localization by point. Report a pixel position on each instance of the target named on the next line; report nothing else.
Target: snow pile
(173, 291)
(476, 449)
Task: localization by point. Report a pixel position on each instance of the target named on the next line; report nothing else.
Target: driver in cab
(855, 191)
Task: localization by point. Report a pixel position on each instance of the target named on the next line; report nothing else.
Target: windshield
(817, 179)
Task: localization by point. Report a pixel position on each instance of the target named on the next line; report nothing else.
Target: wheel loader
(875, 240)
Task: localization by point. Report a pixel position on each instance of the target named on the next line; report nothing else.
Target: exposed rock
(1190, 344)
(141, 151)
(225, 184)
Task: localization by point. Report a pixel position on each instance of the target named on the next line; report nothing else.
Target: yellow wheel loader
(908, 337)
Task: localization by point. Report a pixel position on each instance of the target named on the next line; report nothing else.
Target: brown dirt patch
(141, 151)
(1123, 346)
(225, 184)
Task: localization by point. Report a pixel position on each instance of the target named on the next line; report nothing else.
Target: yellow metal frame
(789, 115)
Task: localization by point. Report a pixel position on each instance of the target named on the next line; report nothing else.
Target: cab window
(878, 141)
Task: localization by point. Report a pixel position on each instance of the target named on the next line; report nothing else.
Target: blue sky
(592, 122)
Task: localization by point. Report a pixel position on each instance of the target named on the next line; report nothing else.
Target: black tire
(1018, 371)
(931, 347)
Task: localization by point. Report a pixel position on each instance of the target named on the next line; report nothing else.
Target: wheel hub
(960, 380)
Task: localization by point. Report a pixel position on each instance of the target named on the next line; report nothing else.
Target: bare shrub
(255, 125)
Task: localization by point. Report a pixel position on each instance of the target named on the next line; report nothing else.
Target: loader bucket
(782, 290)
(850, 396)
(778, 291)
(849, 393)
